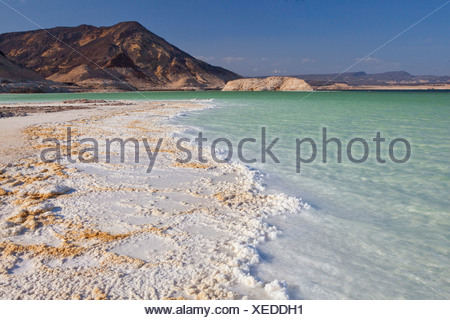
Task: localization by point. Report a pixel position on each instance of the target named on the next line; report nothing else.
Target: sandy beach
(111, 230)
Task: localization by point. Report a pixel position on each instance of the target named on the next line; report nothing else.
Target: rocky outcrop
(268, 84)
(125, 56)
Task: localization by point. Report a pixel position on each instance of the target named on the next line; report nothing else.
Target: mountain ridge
(123, 54)
(383, 78)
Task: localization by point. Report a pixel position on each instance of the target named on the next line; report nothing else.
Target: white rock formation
(268, 84)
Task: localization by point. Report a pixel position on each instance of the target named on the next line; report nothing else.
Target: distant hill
(362, 78)
(106, 57)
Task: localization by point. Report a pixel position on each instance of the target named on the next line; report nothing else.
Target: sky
(270, 37)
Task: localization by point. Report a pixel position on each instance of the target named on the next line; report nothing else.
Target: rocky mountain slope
(13, 72)
(125, 56)
(268, 84)
(17, 79)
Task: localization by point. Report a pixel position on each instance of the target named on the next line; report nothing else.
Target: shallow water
(374, 231)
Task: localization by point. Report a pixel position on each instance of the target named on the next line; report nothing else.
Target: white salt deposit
(112, 230)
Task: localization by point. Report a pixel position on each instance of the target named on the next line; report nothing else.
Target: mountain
(9, 71)
(17, 79)
(124, 56)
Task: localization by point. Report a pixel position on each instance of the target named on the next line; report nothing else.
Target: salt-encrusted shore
(98, 230)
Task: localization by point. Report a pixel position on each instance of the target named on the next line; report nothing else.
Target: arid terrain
(128, 57)
(268, 84)
(395, 80)
(125, 57)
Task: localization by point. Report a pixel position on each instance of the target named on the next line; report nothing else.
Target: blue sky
(270, 37)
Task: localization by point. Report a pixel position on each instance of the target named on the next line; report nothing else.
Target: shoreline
(184, 231)
(316, 89)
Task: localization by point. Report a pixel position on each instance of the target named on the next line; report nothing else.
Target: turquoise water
(374, 231)
(141, 95)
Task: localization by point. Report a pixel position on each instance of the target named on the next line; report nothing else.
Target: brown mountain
(125, 56)
(17, 79)
(9, 71)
